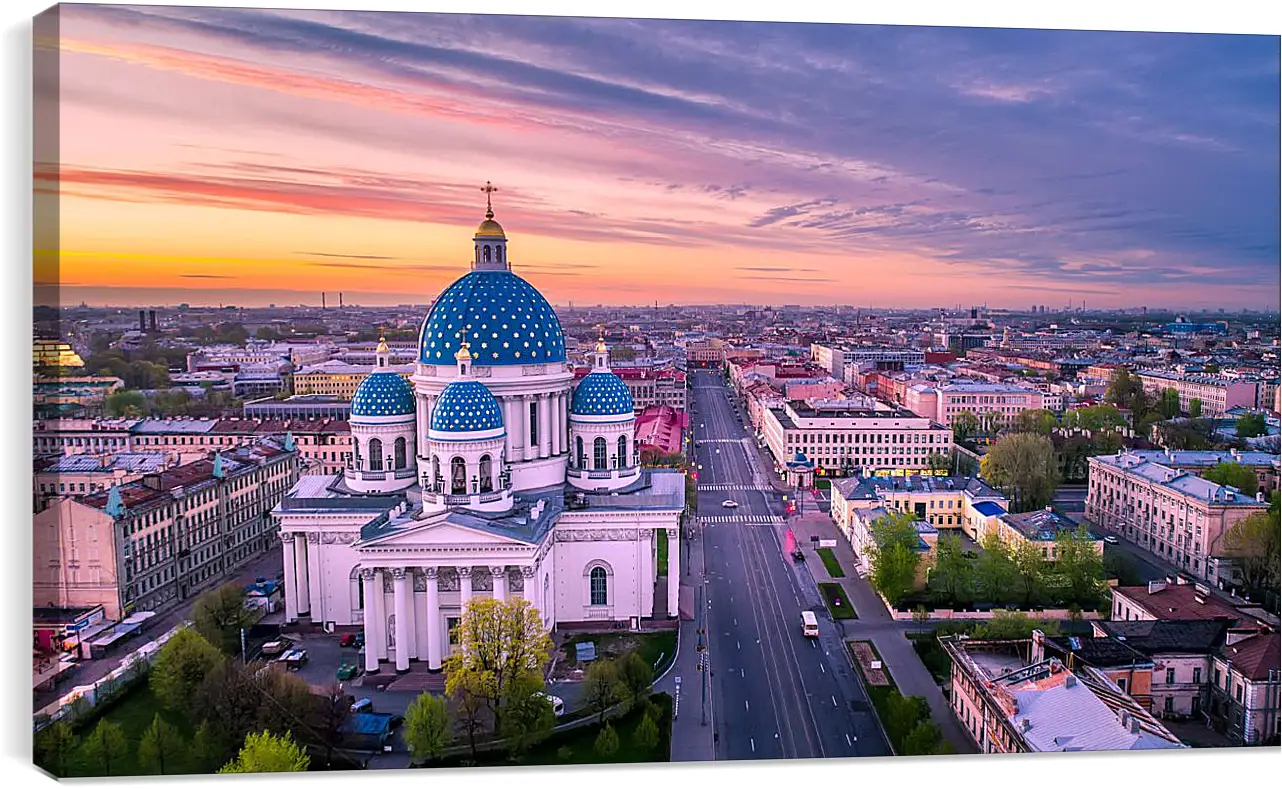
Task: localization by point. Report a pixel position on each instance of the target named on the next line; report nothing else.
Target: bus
(809, 624)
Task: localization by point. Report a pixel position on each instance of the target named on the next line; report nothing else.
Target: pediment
(440, 531)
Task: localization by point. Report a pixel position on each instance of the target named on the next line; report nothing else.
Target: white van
(809, 624)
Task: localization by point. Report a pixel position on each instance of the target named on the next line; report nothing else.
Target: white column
(558, 421)
(380, 615)
(545, 425)
(500, 583)
(401, 604)
(314, 577)
(465, 588)
(368, 580)
(433, 620)
(513, 430)
(300, 574)
(528, 449)
(291, 581)
(674, 571)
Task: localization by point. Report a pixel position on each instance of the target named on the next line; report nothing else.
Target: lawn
(899, 715)
(577, 746)
(133, 712)
(661, 557)
(652, 646)
(839, 604)
(830, 563)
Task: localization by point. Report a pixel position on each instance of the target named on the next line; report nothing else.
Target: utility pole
(702, 649)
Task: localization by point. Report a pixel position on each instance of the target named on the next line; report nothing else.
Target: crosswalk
(749, 520)
(720, 441)
(727, 486)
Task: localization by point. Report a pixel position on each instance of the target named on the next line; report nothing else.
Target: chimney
(1025, 724)
(1135, 725)
(1238, 634)
(151, 317)
(1070, 681)
(142, 320)
(1156, 586)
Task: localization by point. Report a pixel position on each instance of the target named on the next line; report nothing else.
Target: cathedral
(492, 474)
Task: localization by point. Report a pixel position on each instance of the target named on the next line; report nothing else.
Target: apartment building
(147, 545)
(649, 386)
(1181, 652)
(706, 353)
(338, 378)
(1196, 461)
(837, 359)
(1169, 512)
(944, 402)
(853, 436)
(1011, 703)
(1245, 679)
(71, 475)
(1216, 393)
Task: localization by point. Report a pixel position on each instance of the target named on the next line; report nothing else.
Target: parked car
(347, 640)
(294, 659)
(798, 556)
(278, 647)
(347, 670)
(558, 706)
(364, 705)
(1111, 540)
(731, 503)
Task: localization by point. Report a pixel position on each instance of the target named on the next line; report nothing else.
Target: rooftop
(1176, 480)
(1154, 636)
(1164, 600)
(1257, 657)
(1042, 525)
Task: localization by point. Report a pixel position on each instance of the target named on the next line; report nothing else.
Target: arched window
(597, 587)
(623, 451)
(485, 253)
(498, 254)
(436, 474)
(400, 452)
(375, 455)
(458, 476)
(598, 454)
(487, 479)
(581, 457)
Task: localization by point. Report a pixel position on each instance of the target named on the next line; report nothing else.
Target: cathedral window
(487, 478)
(485, 253)
(597, 586)
(498, 254)
(581, 457)
(436, 474)
(458, 476)
(598, 454)
(623, 451)
(375, 455)
(400, 452)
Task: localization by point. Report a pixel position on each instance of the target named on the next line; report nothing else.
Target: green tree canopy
(994, 570)
(125, 402)
(1254, 542)
(607, 742)
(1195, 408)
(1236, 475)
(953, 576)
(1035, 420)
(895, 555)
(427, 727)
(1012, 626)
(269, 753)
(1079, 562)
(965, 426)
(181, 666)
(1023, 466)
(1094, 417)
(1252, 425)
(1030, 570)
(219, 615)
(162, 750)
(105, 749)
(1169, 403)
(603, 687)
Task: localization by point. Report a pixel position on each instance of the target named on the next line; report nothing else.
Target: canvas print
(426, 391)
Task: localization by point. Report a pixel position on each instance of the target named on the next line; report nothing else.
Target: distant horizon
(207, 151)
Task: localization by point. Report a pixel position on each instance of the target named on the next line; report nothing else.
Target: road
(775, 694)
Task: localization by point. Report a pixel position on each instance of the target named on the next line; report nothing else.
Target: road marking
(737, 645)
(753, 744)
(813, 645)
(741, 674)
(834, 701)
(745, 704)
(822, 669)
(848, 742)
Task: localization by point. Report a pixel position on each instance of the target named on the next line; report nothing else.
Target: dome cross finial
(489, 189)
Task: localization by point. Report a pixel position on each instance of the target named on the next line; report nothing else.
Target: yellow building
(338, 379)
(54, 353)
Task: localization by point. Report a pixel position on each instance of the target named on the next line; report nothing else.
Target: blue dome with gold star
(466, 407)
(508, 322)
(601, 394)
(383, 393)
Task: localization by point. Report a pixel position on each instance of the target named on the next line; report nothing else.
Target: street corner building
(492, 471)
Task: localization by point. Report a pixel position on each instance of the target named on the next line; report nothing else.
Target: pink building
(815, 390)
(944, 402)
(660, 429)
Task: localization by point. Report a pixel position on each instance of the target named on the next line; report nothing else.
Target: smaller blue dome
(466, 407)
(601, 394)
(383, 393)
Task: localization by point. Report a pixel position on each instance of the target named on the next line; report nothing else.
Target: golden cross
(489, 189)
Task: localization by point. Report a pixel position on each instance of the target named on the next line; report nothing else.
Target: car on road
(798, 556)
(294, 659)
(809, 624)
(347, 671)
(730, 503)
(347, 640)
(278, 647)
(558, 706)
(1111, 540)
(364, 705)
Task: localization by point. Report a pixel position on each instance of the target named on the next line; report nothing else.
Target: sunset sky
(245, 156)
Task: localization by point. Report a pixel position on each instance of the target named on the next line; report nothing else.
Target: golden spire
(464, 353)
(382, 344)
(600, 345)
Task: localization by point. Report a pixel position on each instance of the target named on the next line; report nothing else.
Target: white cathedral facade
(492, 475)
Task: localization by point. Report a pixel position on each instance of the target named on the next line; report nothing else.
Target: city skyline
(283, 154)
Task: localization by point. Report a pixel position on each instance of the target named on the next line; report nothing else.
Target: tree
(636, 675)
(965, 426)
(470, 688)
(1094, 417)
(527, 717)
(603, 687)
(922, 740)
(1236, 475)
(220, 614)
(607, 742)
(1254, 542)
(646, 735)
(1252, 425)
(202, 752)
(54, 746)
(953, 575)
(269, 753)
(1035, 420)
(1122, 387)
(125, 402)
(902, 715)
(161, 751)
(1012, 626)
(329, 714)
(1023, 466)
(505, 642)
(1169, 403)
(427, 727)
(1030, 569)
(1195, 408)
(180, 668)
(939, 462)
(1081, 565)
(105, 748)
(895, 555)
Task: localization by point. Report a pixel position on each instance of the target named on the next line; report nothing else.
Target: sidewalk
(691, 740)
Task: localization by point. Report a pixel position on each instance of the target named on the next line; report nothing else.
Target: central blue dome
(383, 393)
(507, 321)
(601, 394)
(466, 407)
